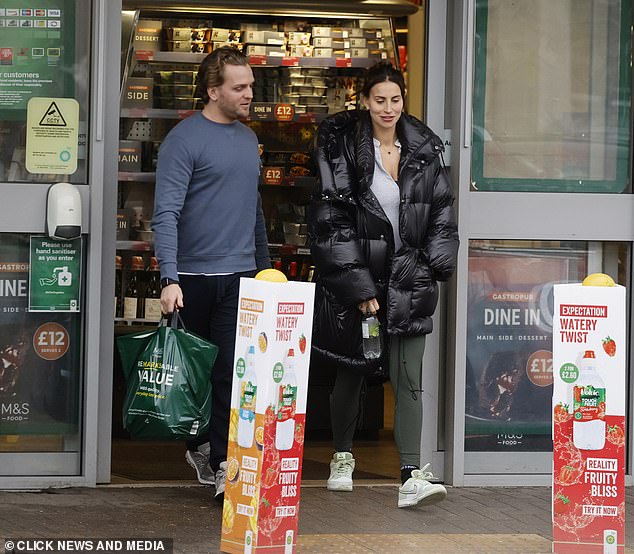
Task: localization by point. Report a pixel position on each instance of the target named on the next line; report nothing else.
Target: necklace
(387, 149)
(389, 152)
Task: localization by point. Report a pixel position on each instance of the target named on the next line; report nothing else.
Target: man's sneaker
(221, 477)
(418, 490)
(341, 468)
(199, 460)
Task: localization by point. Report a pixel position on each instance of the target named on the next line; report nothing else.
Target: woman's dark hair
(379, 73)
(211, 70)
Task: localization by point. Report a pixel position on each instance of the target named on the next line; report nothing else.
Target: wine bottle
(292, 271)
(133, 301)
(152, 302)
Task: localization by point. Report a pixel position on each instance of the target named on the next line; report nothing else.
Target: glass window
(44, 54)
(552, 96)
(509, 334)
(40, 364)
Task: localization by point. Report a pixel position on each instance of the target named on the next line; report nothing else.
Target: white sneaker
(418, 490)
(199, 460)
(341, 468)
(221, 477)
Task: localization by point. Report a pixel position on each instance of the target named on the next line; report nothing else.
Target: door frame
(506, 215)
(98, 216)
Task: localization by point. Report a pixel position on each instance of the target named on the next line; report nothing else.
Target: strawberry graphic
(302, 343)
(609, 346)
(561, 504)
(561, 413)
(616, 435)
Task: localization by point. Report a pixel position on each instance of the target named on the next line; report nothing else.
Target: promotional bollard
(268, 415)
(589, 355)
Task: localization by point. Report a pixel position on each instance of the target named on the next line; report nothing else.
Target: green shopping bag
(168, 375)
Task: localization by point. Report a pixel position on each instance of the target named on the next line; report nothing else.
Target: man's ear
(211, 92)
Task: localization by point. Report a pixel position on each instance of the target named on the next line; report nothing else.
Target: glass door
(46, 301)
(543, 170)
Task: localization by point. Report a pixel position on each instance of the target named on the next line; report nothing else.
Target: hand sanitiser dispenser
(63, 212)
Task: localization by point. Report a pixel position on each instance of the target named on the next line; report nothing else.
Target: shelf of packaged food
(135, 245)
(281, 112)
(288, 249)
(260, 111)
(169, 57)
(154, 113)
(275, 177)
(284, 61)
(137, 177)
(258, 61)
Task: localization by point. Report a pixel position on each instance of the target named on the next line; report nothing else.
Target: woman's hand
(369, 306)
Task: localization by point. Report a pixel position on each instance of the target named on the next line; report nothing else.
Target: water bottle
(370, 331)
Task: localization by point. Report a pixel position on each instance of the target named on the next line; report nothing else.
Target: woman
(383, 233)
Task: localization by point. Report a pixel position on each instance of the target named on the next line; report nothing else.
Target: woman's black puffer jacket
(352, 243)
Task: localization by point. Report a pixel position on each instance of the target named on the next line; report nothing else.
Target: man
(209, 231)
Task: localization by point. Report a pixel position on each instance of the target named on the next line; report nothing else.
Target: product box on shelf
(268, 416)
(219, 34)
(237, 45)
(358, 42)
(175, 77)
(300, 51)
(330, 53)
(328, 42)
(188, 46)
(354, 32)
(367, 53)
(297, 38)
(264, 37)
(244, 27)
(188, 33)
(260, 50)
(334, 32)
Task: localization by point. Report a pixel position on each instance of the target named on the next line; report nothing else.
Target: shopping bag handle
(174, 320)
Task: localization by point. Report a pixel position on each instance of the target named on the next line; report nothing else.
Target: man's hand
(369, 306)
(171, 298)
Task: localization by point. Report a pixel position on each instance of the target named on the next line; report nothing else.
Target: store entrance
(164, 461)
(306, 67)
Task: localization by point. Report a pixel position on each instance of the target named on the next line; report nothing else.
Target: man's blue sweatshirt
(207, 213)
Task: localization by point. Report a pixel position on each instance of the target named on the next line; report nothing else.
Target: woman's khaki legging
(406, 354)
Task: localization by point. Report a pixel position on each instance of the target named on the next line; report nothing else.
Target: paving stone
(474, 520)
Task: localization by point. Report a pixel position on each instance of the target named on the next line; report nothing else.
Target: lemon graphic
(253, 519)
(598, 280)
(233, 425)
(228, 516)
(272, 275)
(262, 342)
